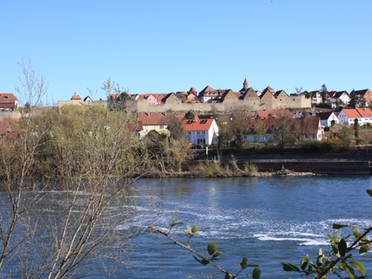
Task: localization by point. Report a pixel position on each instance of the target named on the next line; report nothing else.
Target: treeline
(90, 140)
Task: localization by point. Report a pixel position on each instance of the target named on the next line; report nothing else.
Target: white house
(202, 131)
(328, 119)
(338, 98)
(348, 116)
(316, 98)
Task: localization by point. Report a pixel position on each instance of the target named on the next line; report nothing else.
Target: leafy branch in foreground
(210, 255)
(339, 260)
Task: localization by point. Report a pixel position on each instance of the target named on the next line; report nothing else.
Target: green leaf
(356, 232)
(363, 249)
(351, 271)
(304, 262)
(212, 246)
(216, 255)
(342, 247)
(290, 267)
(369, 191)
(334, 249)
(320, 252)
(339, 226)
(189, 230)
(359, 266)
(203, 261)
(319, 260)
(256, 274)
(195, 229)
(228, 276)
(332, 238)
(244, 263)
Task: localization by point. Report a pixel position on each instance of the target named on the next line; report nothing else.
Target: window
(201, 141)
(203, 121)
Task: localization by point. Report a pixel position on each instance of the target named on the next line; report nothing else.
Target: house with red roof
(348, 116)
(8, 102)
(152, 121)
(201, 131)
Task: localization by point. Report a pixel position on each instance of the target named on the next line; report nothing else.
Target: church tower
(245, 84)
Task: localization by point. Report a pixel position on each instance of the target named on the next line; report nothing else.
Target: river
(268, 220)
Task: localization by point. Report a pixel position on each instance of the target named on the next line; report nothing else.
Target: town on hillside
(247, 115)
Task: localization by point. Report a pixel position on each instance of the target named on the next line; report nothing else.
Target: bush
(250, 168)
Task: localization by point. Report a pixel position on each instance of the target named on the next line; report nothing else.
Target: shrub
(250, 168)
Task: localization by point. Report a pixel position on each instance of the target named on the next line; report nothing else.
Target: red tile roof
(358, 112)
(76, 97)
(197, 125)
(151, 118)
(7, 100)
(364, 112)
(160, 97)
(157, 118)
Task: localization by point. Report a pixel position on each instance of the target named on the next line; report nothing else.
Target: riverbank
(356, 161)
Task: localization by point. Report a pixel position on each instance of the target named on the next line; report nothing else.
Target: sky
(163, 46)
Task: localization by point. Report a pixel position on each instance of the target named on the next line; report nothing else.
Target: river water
(268, 220)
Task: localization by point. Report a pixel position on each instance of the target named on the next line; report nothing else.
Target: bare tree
(94, 158)
(17, 158)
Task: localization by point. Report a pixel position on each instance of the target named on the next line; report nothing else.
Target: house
(154, 121)
(361, 98)
(311, 129)
(122, 101)
(338, 98)
(266, 130)
(77, 100)
(328, 119)
(8, 102)
(348, 116)
(316, 97)
(210, 95)
(201, 131)
(267, 98)
(283, 100)
(251, 96)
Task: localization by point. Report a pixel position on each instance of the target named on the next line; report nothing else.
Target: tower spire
(245, 84)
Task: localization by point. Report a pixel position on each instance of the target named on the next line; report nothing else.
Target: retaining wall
(346, 167)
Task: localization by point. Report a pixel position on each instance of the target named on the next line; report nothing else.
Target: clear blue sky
(170, 45)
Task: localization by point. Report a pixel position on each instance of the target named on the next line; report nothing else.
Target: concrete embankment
(350, 162)
(319, 166)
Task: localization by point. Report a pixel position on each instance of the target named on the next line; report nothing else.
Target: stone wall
(229, 105)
